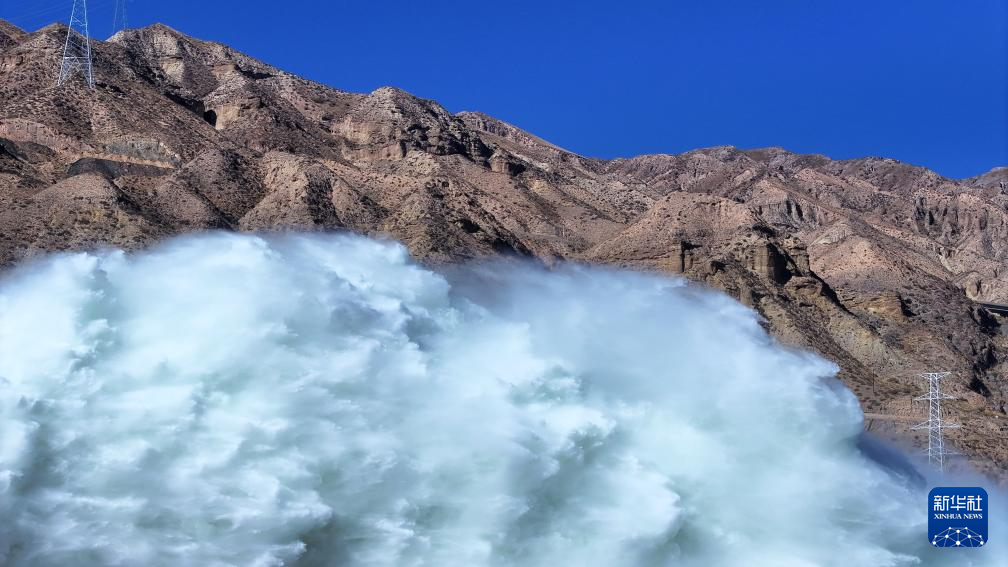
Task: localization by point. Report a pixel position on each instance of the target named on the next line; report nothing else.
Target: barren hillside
(878, 265)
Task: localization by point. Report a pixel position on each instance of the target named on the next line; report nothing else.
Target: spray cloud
(240, 400)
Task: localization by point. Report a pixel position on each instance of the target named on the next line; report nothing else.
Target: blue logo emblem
(957, 516)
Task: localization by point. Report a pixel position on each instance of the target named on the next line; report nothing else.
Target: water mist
(240, 400)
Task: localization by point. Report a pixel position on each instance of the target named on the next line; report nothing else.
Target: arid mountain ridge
(878, 265)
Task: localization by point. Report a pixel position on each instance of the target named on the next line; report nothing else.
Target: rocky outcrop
(875, 264)
(388, 123)
(28, 131)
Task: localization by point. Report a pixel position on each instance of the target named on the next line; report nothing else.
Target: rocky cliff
(878, 265)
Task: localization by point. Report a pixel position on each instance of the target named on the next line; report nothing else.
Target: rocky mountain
(880, 266)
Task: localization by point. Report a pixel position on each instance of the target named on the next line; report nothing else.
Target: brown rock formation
(876, 264)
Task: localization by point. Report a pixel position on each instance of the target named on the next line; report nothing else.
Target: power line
(42, 13)
(119, 18)
(77, 49)
(35, 13)
(936, 424)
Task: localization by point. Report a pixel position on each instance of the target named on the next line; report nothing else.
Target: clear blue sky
(924, 81)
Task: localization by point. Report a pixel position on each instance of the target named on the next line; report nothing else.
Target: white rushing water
(236, 400)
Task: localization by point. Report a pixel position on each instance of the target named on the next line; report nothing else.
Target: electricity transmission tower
(936, 424)
(77, 50)
(119, 19)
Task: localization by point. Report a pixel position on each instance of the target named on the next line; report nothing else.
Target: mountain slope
(876, 264)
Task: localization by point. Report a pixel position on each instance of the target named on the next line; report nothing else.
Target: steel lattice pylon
(77, 50)
(119, 19)
(936, 424)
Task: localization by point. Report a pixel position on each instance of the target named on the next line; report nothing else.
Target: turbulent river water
(323, 400)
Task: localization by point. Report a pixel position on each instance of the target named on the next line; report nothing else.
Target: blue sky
(923, 81)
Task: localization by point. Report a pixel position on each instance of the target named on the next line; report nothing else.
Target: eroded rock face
(388, 123)
(888, 305)
(767, 261)
(875, 264)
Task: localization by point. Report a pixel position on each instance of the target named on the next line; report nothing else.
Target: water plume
(323, 400)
